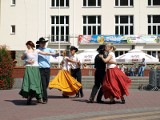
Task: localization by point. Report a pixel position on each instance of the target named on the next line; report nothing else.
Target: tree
(6, 68)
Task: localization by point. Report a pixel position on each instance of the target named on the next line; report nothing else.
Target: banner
(118, 39)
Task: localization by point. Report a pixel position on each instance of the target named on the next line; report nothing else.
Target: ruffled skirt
(115, 83)
(65, 82)
(31, 85)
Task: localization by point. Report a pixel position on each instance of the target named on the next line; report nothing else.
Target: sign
(117, 39)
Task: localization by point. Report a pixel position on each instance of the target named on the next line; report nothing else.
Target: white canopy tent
(88, 56)
(136, 56)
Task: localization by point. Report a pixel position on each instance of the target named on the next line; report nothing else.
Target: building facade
(62, 21)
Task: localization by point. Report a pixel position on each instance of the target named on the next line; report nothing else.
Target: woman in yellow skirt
(63, 80)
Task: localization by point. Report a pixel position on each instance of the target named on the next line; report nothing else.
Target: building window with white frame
(153, 2)
(59, 28)
(13, 2)
(124, 3)
(61, 3)
(13, 29)
(91, 25)
(153, 24)
(91, 3)
(124, 25)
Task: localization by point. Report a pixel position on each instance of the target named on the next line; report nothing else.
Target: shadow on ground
(21, 102)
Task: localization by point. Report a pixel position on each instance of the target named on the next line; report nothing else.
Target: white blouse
(113, 59)
(32, 56)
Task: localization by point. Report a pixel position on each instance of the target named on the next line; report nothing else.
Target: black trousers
(76, 73)
(45, 77)
(99, 76)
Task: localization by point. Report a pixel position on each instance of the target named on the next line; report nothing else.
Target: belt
(75, 69)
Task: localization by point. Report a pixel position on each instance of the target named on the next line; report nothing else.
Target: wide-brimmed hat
(101, 48)
(41, 40)
(74, 48)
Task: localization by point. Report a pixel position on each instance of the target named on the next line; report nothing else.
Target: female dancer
(64, 81)
(115, 83)
(31, 86)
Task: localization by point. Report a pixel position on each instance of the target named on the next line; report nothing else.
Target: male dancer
(44, 65)
(75, 68)
(100, 71)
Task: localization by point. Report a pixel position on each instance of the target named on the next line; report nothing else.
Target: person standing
(132, 71)
(44, 66)
(63, 80)
(142, 67)
(32, 86)
(76, 68)
(115, 83)
(100, 70)
(100, 67)
(123, 68)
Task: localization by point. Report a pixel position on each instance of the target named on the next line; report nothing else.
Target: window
(91, 3)
(59, 28)
(13, 2)
(124, 25)
(154, 24)
(118, 53)
(153, 2)
(152, 53)
(63, 3)
(13, 29)
(123, 2)
(91, 25)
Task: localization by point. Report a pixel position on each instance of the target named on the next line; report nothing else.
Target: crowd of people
(110, 81)
(134, 70)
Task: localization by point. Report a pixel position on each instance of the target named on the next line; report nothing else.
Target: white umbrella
(136, 56)
(88, 56)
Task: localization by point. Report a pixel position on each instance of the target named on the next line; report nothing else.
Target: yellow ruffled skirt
(65, 82)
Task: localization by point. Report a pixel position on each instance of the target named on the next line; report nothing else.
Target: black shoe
(82, 95)
(65, 96)
(112, 102)
(29, 100)
(90, 100)
(77, 95)
(100, 101)
(123, 101)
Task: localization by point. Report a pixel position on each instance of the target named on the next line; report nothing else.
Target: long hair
(30, 43)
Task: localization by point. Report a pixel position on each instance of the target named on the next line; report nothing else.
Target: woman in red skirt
(115, 83)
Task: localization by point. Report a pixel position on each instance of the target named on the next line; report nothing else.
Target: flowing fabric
(31, 83)
(115, 83)
(65, 82)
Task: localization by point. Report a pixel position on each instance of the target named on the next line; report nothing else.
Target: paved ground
(140, 105)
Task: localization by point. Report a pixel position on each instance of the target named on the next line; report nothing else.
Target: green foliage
(6, 69)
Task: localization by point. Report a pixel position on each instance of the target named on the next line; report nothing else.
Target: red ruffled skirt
(115, 83)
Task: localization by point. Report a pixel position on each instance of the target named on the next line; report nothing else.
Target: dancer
(75, 68)
(115, 83)
(64, 81)
(44, 66)
(100, 70)
(32, 86)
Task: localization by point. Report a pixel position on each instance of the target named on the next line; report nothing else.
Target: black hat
(41, 40)
(74, 48)
(101, 48)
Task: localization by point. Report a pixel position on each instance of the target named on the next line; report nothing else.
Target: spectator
(123, 68)
(132, 70)
(142, 67)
